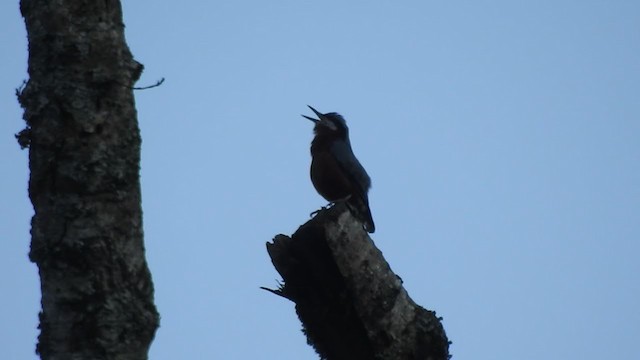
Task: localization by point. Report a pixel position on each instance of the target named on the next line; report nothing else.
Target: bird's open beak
(310, 118)
(316, 112)
(321, 120)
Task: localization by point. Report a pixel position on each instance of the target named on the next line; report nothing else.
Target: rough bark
(351, 305)
(84, 156)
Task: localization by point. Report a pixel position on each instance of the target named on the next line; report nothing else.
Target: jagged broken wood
(351, 305)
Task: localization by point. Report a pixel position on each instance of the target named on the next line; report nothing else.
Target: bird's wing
(342, 152)
(347, 161)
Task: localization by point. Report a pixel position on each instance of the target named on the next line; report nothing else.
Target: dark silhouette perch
(350, 303)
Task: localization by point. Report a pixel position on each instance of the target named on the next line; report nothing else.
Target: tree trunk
(351, 305)
(84, 156)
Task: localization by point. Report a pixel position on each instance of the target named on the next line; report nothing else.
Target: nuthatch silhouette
(335, 172)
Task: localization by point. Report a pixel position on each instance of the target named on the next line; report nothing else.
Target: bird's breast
(328, 178)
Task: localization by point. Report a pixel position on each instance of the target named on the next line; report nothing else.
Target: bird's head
(330, 124)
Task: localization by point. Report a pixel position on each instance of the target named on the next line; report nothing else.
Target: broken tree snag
(350, 303)
(84, 158)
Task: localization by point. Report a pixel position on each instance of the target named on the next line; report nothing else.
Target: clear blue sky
(502, 138)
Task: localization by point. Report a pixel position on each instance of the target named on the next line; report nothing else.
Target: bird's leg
(329, 205)
(322, 208)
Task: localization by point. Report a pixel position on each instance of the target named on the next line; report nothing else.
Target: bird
(336, 173)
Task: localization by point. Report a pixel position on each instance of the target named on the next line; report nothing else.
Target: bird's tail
(359, 207)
